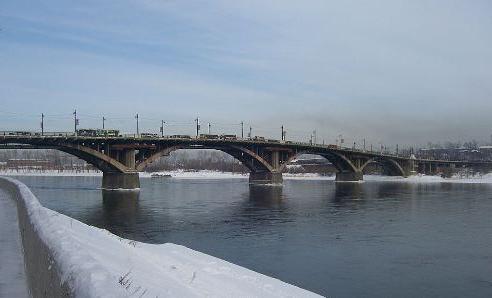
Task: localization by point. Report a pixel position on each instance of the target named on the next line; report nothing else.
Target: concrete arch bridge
(121, 158)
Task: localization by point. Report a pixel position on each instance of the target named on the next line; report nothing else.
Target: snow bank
(74, 259)
(487, 178)
(204, 174)
(181, 174)
(28, 172)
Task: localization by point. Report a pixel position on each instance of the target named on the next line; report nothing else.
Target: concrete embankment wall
(42, 270)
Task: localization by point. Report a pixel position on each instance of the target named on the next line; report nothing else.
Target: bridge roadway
(121, 158)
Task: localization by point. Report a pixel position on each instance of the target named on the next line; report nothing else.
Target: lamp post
(197, 120)
(162, 128)
(42, 124)
(138, 132)
(76, 121)
(242, 129)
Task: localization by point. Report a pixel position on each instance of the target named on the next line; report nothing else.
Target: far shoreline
(209, 174)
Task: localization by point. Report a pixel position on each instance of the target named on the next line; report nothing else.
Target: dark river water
(374, 239)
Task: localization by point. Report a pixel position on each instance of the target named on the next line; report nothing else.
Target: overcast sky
(389, 71)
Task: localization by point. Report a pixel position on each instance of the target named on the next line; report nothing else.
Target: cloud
(391, 71)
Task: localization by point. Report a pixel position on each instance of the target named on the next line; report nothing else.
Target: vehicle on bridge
(257, 138)
(149, 135)
(209, 136)
(98, 132)
(19, 133)
(228, 137)
(180, 137)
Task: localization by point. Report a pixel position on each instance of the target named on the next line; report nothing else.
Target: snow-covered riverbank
(181, 174)
(92, 262)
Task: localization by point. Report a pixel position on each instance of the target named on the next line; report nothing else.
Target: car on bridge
(180, 137)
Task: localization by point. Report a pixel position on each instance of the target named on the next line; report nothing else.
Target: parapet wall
(42, 270)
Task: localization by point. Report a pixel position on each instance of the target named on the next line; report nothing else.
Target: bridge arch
(100, 160)
(247, 157)
(92, 156)
(390, 166)
(339, 161)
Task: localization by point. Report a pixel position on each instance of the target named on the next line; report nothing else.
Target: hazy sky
(388, 71)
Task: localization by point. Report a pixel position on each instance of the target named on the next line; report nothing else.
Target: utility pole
(371, 147)
(396, 149)
(364, 141)
(250, 133)
(197, 120)
(282, 136)
(104, 119)
(242, 129)
(162, 128)
(42, 124)
(209, 128)
(315, 137)
(138, 131)
(76, 121)
(353, 146)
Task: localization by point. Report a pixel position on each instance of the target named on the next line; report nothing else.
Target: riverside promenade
(13, 281)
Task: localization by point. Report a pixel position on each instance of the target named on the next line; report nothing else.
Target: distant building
(465, 154)
(38, 164)
(486, 152)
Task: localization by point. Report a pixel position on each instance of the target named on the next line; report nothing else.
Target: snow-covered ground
(24, 172)
(181, 174)
(97, 263)
(487, 178)
(13, 282)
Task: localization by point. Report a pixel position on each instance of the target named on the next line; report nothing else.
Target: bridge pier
(265, 178)
(123, 181)
(349, 176)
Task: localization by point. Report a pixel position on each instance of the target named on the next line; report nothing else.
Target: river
(369, 239)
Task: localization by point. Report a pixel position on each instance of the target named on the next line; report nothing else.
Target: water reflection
(347, 192)
(120, 203)
(265, 196)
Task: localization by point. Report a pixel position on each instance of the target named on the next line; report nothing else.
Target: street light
(42, 124)
(162, 128)
(242, 129)
(76, 121)
(138, 132)
(197, 120)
